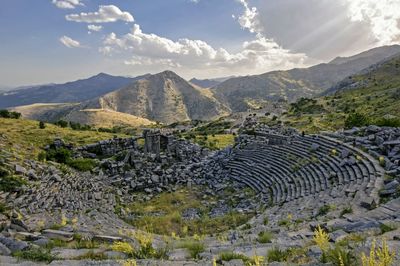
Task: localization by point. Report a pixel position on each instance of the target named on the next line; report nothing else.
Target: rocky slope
(293, 84)
(164, 97)
(76, 91)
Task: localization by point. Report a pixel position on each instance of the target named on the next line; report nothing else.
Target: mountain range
(166, 97)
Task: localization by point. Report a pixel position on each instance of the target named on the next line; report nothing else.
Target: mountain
(240, 93)
(204, 83)
(76, 91)
(163, 97)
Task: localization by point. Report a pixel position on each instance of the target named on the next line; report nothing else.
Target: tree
(42, 125)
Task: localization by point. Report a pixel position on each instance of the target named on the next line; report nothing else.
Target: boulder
(57, 234)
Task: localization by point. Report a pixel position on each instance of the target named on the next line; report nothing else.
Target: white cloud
(92, 27)
(383, 16)
(255, 56)
(70, 43)
(250, 18)
(140, 49)
(108, 13)
(67, 4)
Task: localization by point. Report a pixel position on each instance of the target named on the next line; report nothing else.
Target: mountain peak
(168, 74)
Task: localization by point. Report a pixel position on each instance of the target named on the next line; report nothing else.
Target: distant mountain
(204, 83)
(163, 97)
(239, 93)
(76, 91)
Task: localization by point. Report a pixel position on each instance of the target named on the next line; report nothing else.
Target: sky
(54, 41)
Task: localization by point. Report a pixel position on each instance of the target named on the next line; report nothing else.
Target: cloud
(70, 43)
(383, 16)
(67, 4)
(250, 18)
(255, 56)
(92, 27)
(108, 13)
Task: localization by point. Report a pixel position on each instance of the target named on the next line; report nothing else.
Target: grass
(194, 248)
(264, 237)
(82, 164)
(386, 228)
(277, 255)
(228, 256)
(25, 137)
(35, 254)
(163, 215)
(215, 142)
(11, 183)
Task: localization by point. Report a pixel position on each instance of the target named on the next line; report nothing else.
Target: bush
(387, 122)
(228, 256)
(35, 254)
(277, 255)
(356, 120)
(194, 248)
(324, 210)
(11, 183)
(386, 228)
(8, 114)
(82, 164)
(42, 125)
(264, 237)
(61, 123)
(339, 256)
(61, 155)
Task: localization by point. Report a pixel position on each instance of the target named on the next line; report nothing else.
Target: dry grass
(27, 139)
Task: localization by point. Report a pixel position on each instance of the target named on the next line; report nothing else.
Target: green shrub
(35, 254)
(387, 122)
(228, 256)
(42, 156)
(194, 248)
(264, 237)
(339, 256)
(61, 155)
(356, 120)
(10, 183)
(346, 211)
(42, 125)
(8, 114)
(324, 210)
(82, 164)
(386, 228)
(61, 123)
(277, 255)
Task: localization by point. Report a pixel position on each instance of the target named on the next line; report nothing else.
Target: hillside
(106, 118)
(293, 84)
(25, 138)
(76, 91)
(374, 94)
(164, 97)
(72, 113)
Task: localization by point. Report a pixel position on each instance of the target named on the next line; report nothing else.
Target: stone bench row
(266, 169)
